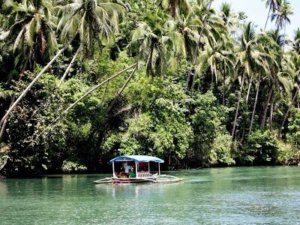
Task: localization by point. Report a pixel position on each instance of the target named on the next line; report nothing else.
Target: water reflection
(3, 188)
(135, 190)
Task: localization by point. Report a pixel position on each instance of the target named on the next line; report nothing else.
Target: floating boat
(138, 173)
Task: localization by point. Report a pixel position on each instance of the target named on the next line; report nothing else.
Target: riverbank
(109, 172)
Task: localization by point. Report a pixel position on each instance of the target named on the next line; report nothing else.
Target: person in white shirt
(126, 168)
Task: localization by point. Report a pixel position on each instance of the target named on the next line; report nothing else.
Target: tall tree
(30, 32)
(282, 15)
(251, 60)
(90, 20)
(176, 7)
(272, 5)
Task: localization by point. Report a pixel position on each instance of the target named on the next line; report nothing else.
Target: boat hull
(154, 179)
(131, 180)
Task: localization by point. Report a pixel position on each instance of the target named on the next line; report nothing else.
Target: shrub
(69, 167)
(221, 151)
(261, 148)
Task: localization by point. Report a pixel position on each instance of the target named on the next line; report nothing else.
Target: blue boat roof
(137, 158)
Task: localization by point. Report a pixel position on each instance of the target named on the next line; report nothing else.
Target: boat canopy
(137, 158)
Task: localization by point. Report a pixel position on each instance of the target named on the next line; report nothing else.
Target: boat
(133, 171)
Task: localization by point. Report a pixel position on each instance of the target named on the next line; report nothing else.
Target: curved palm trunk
(96, 87)
(88, 93)
(264, 118)
(3, 129)
(224, 88)
(69, 66)
(30, 85)
(122, 88)
(197, 47)
(267, 19)
(289, 109)
(174, 4)
(271, 115)
(237, 107)
(12, 101)
(254, 108)
(106, 124)
(249, 89)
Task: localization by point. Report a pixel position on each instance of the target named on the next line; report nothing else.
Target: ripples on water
(258, 195)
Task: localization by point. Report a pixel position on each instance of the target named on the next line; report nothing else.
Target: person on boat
(131, 172)
(126, 169)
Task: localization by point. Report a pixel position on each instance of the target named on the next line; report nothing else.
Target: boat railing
(143, 174)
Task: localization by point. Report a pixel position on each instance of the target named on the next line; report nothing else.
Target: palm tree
(157, 43)
(294, 72)
(90, 21)
(176, 7)
(30, 32)
(227, 15)
(272, 42)
(210, 31)
(251, 60)
(219, 61)
(86, 21)
(296, 43)
(273, 6)
(281, 15)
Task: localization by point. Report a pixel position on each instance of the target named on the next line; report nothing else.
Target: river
(249, 195)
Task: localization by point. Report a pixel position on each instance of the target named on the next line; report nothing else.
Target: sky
(257, 13)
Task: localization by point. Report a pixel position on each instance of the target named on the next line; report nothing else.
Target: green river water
(257, 195)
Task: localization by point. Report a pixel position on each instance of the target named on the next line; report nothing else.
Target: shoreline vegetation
(84, 81)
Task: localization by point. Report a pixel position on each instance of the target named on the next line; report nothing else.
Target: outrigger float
(136, 169)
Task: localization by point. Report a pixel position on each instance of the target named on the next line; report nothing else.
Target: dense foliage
(198, 86)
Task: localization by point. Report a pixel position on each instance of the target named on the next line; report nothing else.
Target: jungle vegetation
(82, 81)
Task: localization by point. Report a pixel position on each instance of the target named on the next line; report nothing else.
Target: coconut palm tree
(157, 43)
(218, 61)
(210, 30)
(251, 61)
(273, 6)
(296, 42)
(294, 72)
(176, 7)
(282, 14)
(90, 20)
(30, 32)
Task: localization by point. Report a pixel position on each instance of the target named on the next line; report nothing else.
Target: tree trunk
(122, 89)
(237, 107)
(12, 101)
(271, 115)
(3, 129)
(174, 4)
(69, 66)
(263, 121)
(249, 89)
(224, 87)
(254, 107)
(289, 109)
(88, 93)
(96, 87)
(30, 85)
(267, 19)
